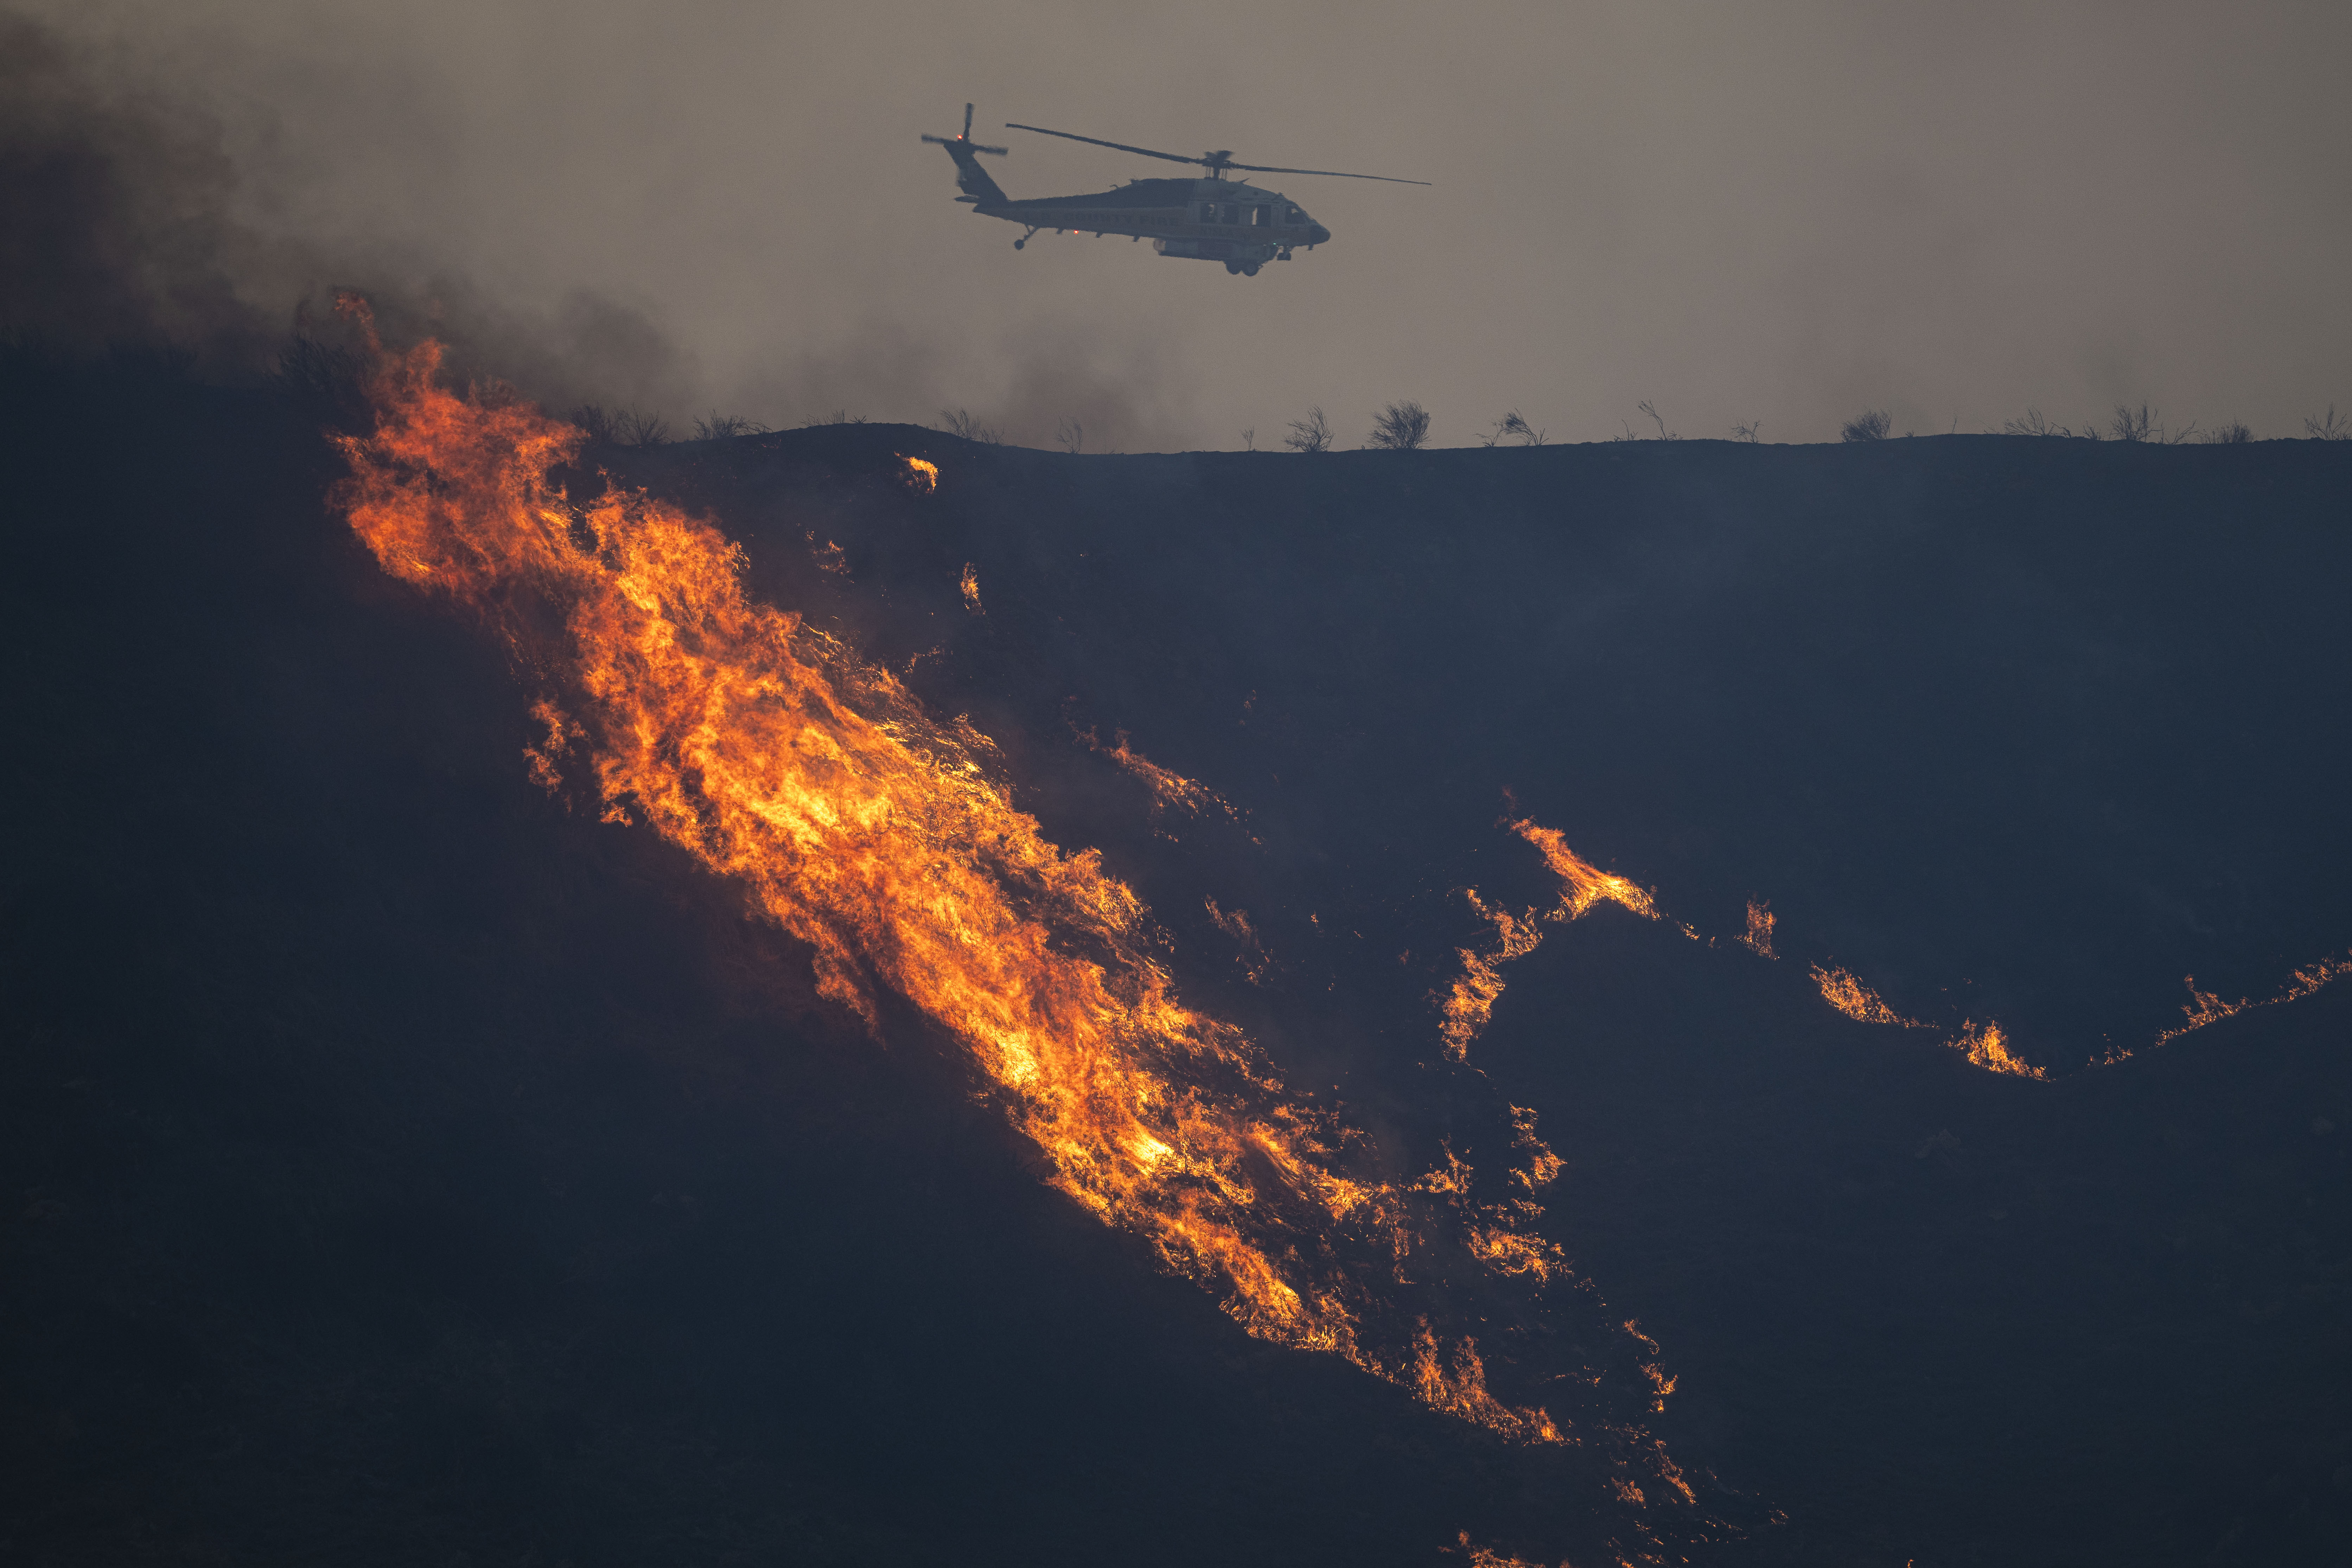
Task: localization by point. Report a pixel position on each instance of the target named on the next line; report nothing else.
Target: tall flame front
(871, 832)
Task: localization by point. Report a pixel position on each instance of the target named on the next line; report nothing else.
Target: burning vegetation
(1984, 1045)
(2205, 1007)
(878, 835)
(1469, 1004)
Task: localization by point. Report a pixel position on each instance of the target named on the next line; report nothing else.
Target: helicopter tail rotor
(965, 140)
(979, 190)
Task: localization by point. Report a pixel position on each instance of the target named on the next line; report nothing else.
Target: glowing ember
(1759, 935)
(971, 590)
(921, 475)
(872, 833)
(1486, 1557)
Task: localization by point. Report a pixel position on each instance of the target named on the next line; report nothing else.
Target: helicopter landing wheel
(1232, 268)
(1019, 243)
(1249, 269)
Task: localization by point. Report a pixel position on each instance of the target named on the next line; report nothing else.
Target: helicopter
(1212, 219)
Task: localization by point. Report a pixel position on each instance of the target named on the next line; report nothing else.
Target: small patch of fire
(1168, 789)
(971, 589)
(1478, 1556)
(1757, 938)
(828, 556)
(2204, 1007)
(921, 474)
(1849, 996)
(562, 734)
(1543, 1166)
(1985, 1045)
(1469, 1004)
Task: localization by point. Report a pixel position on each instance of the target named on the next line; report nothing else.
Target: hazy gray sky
(1743, 211)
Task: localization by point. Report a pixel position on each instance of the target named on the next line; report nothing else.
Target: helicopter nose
(1316, 234)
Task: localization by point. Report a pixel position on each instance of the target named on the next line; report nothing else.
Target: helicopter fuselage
(1199, 219)
(1208, 220)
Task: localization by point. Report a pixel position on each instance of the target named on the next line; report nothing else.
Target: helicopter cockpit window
(1293, 216)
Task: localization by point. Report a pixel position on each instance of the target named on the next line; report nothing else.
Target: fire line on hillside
(873, 833)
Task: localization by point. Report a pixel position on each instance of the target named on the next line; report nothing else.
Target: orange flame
(872, 833)
(1986, 1047)
(1850, 997)
(1168, 787)
(1468, 1007)
(2204, 1007)
(921, 475)
(1587, 884)
(971, 590)
(1469, 1004)
(1543, 1165)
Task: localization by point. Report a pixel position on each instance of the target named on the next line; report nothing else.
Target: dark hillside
(2014, 727)
(402, 1168)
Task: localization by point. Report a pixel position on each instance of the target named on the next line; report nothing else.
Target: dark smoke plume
(115, 199)
(125, 227)
(122, 233)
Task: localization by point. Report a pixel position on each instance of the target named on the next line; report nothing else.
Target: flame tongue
(871, 832)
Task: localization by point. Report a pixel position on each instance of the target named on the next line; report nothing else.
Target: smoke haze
(1741, 213)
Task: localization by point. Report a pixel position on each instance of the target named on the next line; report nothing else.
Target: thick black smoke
(122, 232)
(116, 202)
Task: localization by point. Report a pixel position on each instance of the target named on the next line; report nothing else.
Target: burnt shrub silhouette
(725, 426)
(621, 426)
(1401, 427)
(1512, 427)
(961, 422)
(1870, 424)
(1312, 434)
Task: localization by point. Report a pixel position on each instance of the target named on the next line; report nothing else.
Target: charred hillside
(411, 1163)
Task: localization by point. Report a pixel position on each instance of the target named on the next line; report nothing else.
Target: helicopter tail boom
(972, 179)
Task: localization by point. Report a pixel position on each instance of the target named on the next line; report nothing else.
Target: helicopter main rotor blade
(1334, 174)
(1218, 163)
(1097, 141)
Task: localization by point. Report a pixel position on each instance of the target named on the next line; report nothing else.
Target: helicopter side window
(1208, 212)
(1261, 217)
(1233, 213)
